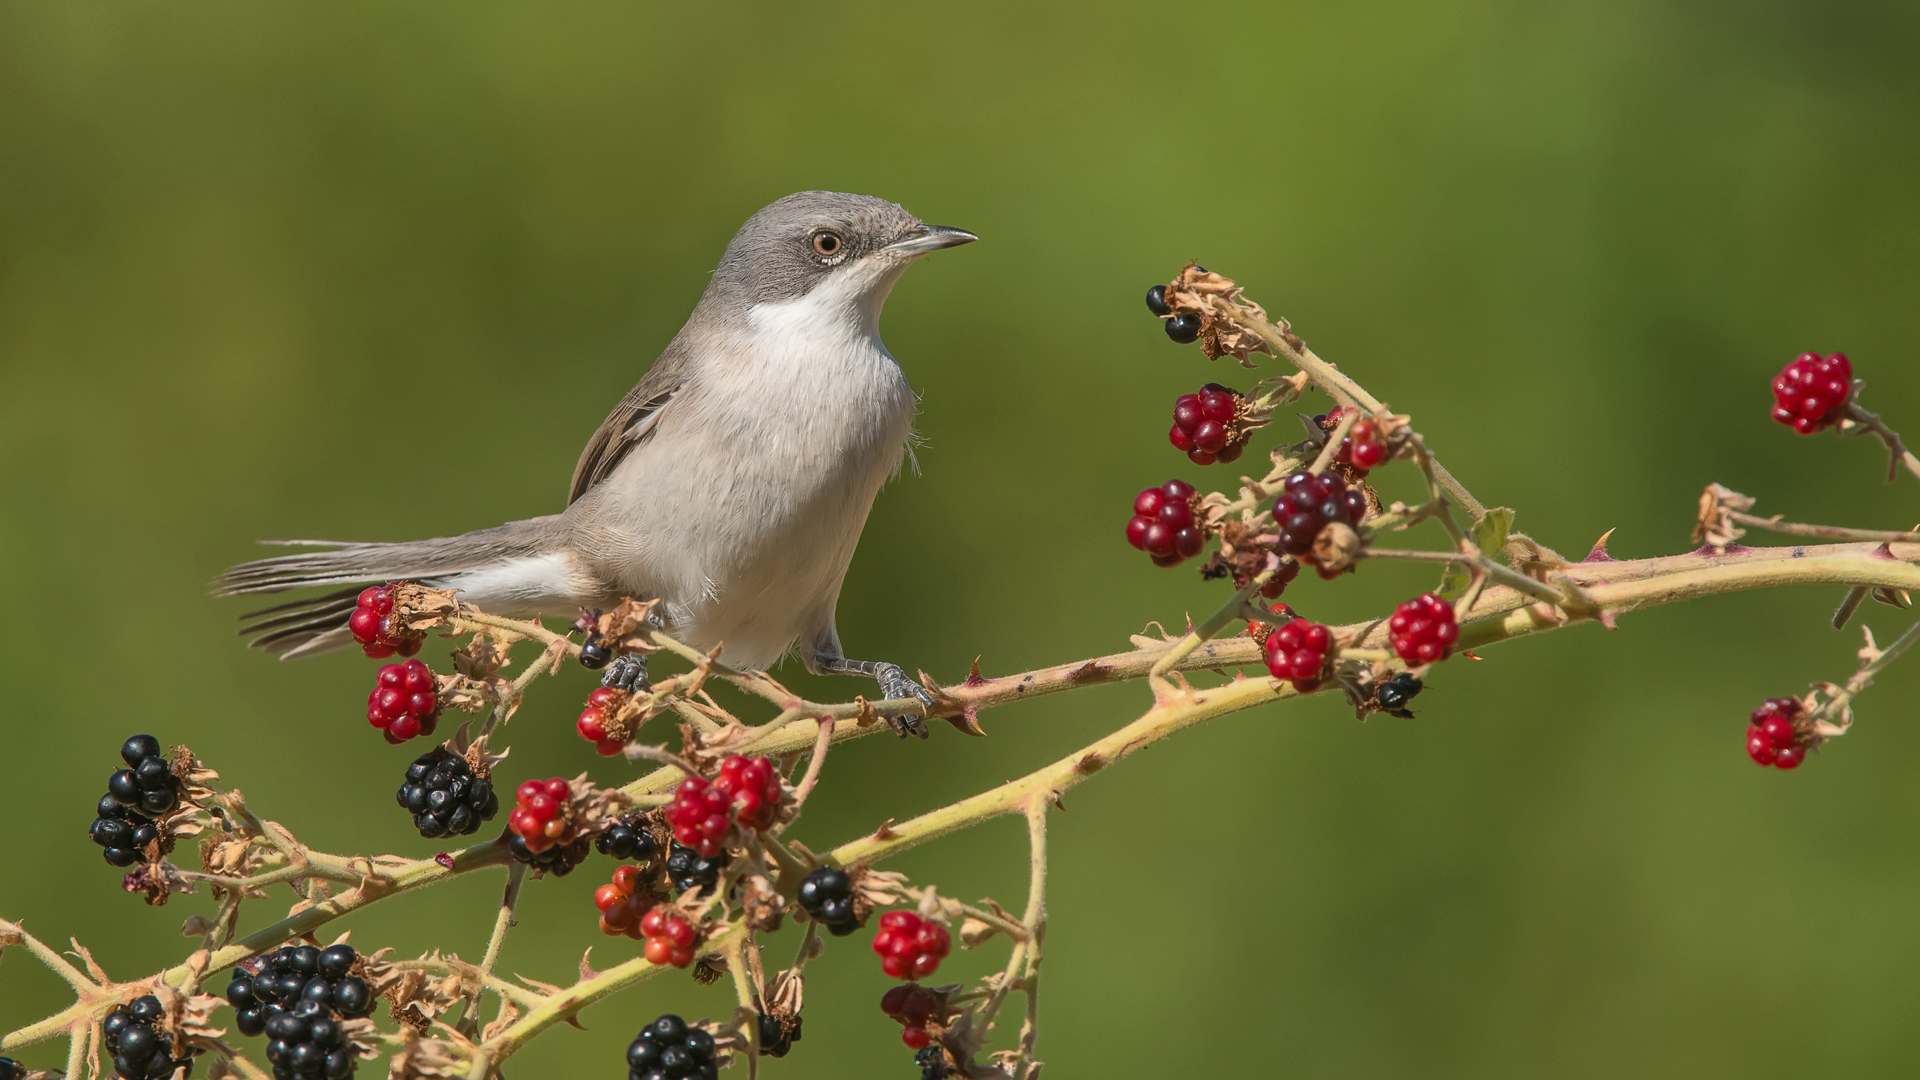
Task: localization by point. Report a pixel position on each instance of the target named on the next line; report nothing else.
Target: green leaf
(1490, 535)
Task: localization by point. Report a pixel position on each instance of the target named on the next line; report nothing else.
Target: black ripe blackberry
(933, 1063)
(594, 654)
(11, 1069)
(688, 869)
(298, 997)
(1397, 691)
(444, 796)
(827, 895)
(775, 1038)
(139, 1052)
(136, 795)
(627, 838)
(558, 860)
(668, 1049)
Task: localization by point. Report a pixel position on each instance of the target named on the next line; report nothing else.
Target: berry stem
(56, 963)
(1331, 448)
(1897, 452)
(1829, 532)
(743, 991)
(502, 920)
(1876, 662)
(1233, 611)
(820, 744)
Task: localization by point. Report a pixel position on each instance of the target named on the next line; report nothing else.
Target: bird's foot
(895, 683)
(627, 673)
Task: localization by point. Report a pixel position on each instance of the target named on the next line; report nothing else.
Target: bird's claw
(894, 683)
(627, 673)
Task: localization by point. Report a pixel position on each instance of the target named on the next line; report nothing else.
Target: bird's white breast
(746, 504)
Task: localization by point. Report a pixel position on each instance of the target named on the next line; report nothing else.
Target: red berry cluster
(1770, 734)
(747, 789)
(403, 703)
(1362, 448)
(915, 1007)
(670, 937)
(1298, 652)
(621, 911)
(539, 816)
(1309, 503)
(910, 947)
(1164, 525)
(368, 625)
(1423, 629)
(1811, 393)
(591, 724)
(1203, 425)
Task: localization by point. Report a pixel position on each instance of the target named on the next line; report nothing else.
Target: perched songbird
(731, 484)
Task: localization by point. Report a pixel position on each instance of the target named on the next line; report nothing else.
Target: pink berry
(1204, 425)
(1811, 393)
(1164, 524)
(1297, 652)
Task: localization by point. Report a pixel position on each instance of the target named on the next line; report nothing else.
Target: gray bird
(731, 484)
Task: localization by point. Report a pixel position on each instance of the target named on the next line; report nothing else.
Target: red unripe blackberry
(1811, 393)
(1423, 630)
(753, 783)
(1203, 425)
(539, 816)
(622, 908)
(912, 1005)
(1165, 524)
(670, 937)
(1298, 651)
(1771, 733)
(1362, 448)
(403, 703)
(1309, 503)
(748, 788)
(370, 627)
(910, 947)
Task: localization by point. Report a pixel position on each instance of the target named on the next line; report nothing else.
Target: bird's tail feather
(318, 624)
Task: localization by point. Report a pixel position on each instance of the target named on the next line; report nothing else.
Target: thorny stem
(1863, 678)
(1036, 921)
(814, 763)
(736, 953)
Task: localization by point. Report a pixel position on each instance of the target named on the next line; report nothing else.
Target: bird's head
(837, 254)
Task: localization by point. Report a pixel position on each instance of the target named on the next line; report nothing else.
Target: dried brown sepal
(874, 888)
(623, 628)
(481, 659)
(1247, 549)
(1712, 526)
(1337, 548)
(480, 760)
(709, 969)
(431, 1059)
(418, 609)
(466, 694)
(761, 903)
(1220, 305)
(974, 932)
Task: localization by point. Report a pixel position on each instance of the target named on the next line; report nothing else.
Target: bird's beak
(924, 238)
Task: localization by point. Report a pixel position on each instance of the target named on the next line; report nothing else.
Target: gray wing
(630, 422)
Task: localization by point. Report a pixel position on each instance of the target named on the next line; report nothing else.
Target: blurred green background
(376, 271)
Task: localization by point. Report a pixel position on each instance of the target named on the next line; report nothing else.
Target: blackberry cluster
(444, 796)
(403, 703)
(915, 1007)
(298, 997)
(775, 1039)
(626, 838)
(1397, 691)
(669, 1049)
(1298, 652)
(1163, 523)
(1181, 328)
(1772, 735)
(827, 895)
(370, 627)
(558, 860)
(909, 946)
(1811, 393)
(1362, 448)
(136, 795)
(690, 870)
(139, 1052)
(1423, 630)
(1203, 425)
(1309, 503)
(933, 1063)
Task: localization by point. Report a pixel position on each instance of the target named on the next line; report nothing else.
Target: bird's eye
(827, 243)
